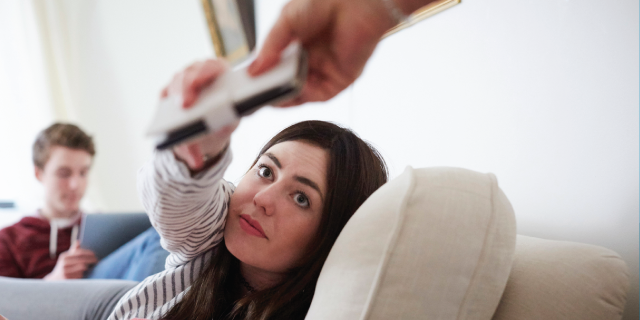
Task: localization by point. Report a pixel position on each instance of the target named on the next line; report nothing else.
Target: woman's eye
(301, 200)
(265, 172)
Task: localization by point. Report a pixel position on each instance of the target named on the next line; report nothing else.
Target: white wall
(543, 94)
(127, 51)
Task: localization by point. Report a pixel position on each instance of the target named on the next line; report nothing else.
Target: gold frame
(423, 13)
(220, 51)
(216, 36)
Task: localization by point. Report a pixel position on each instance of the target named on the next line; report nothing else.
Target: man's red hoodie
(25, 248)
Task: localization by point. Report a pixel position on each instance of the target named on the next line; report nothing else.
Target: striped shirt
(189, 214)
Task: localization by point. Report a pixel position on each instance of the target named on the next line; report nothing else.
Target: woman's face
(275, 211)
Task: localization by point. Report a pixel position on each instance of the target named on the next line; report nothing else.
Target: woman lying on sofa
(254, 251)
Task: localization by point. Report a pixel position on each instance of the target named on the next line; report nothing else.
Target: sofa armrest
(564, 280)
(60, 300)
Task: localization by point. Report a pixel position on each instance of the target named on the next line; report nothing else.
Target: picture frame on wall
(232, 28)
(423, 13)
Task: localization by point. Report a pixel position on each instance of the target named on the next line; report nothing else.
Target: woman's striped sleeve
(188, 212)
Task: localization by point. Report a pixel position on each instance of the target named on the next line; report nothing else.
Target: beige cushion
(433, 243)
(564, 280)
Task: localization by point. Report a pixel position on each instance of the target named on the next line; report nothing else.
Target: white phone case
(233, 95)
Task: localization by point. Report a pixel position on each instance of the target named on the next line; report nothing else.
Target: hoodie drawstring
(53, 238)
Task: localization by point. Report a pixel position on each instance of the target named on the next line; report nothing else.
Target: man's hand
(339, 37)
(72, 264)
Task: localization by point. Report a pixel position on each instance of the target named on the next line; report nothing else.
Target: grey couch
(434, 243)
(75, 299)
(27, 299)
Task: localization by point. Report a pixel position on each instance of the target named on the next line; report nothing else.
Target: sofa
(433, 243)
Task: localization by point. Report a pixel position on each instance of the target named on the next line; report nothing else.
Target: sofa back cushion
(433, 243)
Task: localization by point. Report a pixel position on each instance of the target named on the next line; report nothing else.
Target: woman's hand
(196, 153)
(188, 84)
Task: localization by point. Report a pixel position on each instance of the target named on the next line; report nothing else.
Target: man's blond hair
(60, 134)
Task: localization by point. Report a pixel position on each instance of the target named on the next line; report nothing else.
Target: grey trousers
(83, 299)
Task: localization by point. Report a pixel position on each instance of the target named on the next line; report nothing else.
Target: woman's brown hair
(355, 171)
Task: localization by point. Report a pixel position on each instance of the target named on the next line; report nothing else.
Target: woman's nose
(265, 199)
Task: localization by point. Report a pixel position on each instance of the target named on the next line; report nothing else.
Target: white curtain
(55, 22)
(25, 103)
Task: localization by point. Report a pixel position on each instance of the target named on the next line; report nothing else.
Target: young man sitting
(44, 245)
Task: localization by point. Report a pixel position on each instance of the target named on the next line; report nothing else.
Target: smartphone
(233, 95)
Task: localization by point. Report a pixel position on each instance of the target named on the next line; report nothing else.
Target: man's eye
(265, 172)
(301, 200)
(63, 174)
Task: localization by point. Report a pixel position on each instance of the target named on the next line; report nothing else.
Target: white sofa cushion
(433, 243)
(554, 280)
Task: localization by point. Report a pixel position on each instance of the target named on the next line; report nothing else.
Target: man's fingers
(82, 255)
(74, 268)
(74, 273)
(75, 247)
(299, 20)
(292, 24)
(278, 38)
(291, 102)
(314, 90)
(83, 252)
(80, 261)
(89, 257)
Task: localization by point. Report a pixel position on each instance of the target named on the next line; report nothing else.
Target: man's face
(64, 178)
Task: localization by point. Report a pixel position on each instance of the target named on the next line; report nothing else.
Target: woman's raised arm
(182, 190)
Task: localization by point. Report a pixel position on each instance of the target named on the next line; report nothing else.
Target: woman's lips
(251, 226)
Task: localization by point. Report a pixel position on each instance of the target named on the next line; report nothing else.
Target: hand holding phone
(232, 95)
